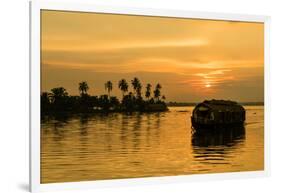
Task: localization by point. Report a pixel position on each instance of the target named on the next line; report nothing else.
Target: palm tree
(128, 102)
(58, 92)
(148, 91)
(123, 85)
(157, 92)
(136, 84)
(108, 87)
(83, 87)
(59, 98)
(139, 87)
(158, 86)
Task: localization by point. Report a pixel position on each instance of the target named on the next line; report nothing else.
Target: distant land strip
(181, 104)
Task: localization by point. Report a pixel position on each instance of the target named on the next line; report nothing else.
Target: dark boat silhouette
(217, 114)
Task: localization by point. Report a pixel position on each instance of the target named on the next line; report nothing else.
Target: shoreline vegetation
(58, 101)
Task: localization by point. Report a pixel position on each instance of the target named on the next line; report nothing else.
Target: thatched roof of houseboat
(222, 105)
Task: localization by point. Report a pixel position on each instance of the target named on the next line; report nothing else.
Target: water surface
(118, 145)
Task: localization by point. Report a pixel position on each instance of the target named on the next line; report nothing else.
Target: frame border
(34, 99)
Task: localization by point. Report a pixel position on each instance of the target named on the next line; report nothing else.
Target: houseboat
(217, 114)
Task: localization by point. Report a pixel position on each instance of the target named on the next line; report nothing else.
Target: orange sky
(193, 59)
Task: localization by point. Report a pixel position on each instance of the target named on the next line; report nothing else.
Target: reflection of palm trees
(83, 125)
(157, 121)
(83, 138)
(124, 128)
(123, 85)
(148, 128)
(157, 125)
(108, 87)
(83, 87)
(137, 131)
(58, 126)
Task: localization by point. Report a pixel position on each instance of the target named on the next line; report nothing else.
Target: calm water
(150, 144)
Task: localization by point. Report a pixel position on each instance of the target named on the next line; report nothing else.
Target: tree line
(59, 101)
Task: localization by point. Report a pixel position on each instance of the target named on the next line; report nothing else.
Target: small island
(58, 101)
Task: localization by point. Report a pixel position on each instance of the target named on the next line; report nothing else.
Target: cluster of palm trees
(58, 99)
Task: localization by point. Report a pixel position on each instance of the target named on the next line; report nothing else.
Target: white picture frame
(36, 6)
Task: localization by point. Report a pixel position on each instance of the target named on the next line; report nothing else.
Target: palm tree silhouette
(136, 84)
(58, 99)
(83, 87)
(58, 93)
(123, 85)
(148, 91)
(139, 90)
(108, 87)
(157, 92)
